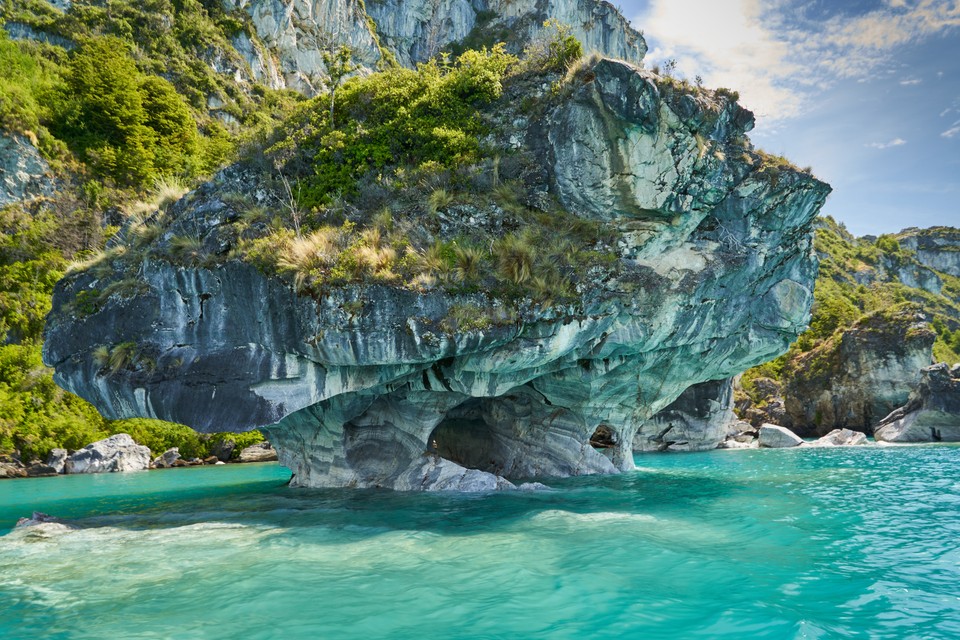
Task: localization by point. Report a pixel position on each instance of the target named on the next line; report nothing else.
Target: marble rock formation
(116, 453)
(259, 452)
(856, 378)
(841, 438)
(370, 385)
(700, 419)
(167, 459)
(937, 248)
(57, 459)
(291, 37)
(933, 412)
(774, 436)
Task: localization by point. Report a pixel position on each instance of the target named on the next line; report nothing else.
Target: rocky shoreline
(120, 453)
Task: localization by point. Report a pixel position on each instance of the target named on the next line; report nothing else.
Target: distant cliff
(885, 308)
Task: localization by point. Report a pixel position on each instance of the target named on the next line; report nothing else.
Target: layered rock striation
(700, 419)
(291, 37)
(860, 375)
(373, 384)
(933, 412)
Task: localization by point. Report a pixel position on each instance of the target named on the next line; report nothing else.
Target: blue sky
(867, 93)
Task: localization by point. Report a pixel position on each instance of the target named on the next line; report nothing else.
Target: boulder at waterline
(117, 453)
(167, 459)
(223, 449)
(774, 436)
(259, 452)
(931, 415)
(12, 469)
(841, 438)
(41, 470)
(58, 459)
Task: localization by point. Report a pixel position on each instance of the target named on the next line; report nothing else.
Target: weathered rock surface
(223, 449)
(937, 248)
(40, 470)
(12, 469)
(714, 275)
(260, 452)
(167, 459)
(24, 174)
(700, 419)
(841, 438)
(856, 378)
(774, 436)
(116, 453)
(57, 459)
(933, 412)
(296, 34)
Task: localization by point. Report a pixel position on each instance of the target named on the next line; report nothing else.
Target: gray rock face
(260, 452)
(700, 419)
(57, 459)
(856, 378)
(841, 438)
(297, 33)
(416, 30)
(715, 274)
(223, 450)
(24, 174)
(773, 436)
(931, 415)
(937, 248)
(116, 453)
(167, 459)
(11, 469)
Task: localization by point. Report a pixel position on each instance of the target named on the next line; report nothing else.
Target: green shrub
(394, 118)
(129, 127)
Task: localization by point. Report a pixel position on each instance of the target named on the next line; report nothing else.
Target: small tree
(339, 65)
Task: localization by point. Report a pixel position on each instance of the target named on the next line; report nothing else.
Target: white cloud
(896, 142)
(777, 56)
(906, 82)
(952, 131)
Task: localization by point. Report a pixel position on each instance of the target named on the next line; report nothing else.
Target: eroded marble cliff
(372, 384)
(291, 37)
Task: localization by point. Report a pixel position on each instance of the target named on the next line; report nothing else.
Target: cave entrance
(463, 437)
(603, 438)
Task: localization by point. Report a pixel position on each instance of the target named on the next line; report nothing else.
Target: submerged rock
(116, 453)
(774, 436)
(931, 415)
(372, 385)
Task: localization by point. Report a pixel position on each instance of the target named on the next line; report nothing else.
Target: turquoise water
(816, 543)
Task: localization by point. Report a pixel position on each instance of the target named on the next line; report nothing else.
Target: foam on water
(758, 544)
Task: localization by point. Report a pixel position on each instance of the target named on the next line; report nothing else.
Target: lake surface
(815, 543)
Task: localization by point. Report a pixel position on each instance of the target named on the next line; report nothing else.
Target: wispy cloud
(778, 53)
(952, 131)
(907, 82)
(896, 142)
